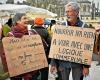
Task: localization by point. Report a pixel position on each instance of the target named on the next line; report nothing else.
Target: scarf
(19, 31)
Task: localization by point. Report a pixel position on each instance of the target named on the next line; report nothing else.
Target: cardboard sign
(24, 54)
(72, 44)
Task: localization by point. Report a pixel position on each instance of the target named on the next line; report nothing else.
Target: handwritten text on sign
(24, 54)
(72, 44)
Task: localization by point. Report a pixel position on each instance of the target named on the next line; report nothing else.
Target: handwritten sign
(24, 54)
(72, 44)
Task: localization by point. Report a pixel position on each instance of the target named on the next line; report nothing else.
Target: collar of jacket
(38, 27)
(78, 23)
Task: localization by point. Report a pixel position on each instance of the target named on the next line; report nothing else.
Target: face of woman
(71, 13)
(23, 21)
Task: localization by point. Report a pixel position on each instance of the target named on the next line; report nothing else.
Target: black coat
(46, 38)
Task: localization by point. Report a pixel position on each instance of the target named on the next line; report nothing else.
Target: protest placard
(72, 44)
(24, 54)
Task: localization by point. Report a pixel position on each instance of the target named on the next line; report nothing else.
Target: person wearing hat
(51, 27)
(20, 22)
(46, 39)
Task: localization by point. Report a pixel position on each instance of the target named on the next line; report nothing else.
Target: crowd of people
(17, 27)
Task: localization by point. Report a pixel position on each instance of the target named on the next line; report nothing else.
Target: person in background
(90, 25)
(4, 31)
(46, 23)
(7, 27)
(51, 27)
(31, 24)
(98, 44)
(20, 22)
(65, 67)
(46, 39)
(50, 30)
(98, 64)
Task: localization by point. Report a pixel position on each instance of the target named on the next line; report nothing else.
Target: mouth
(68, 17)
(26, 22)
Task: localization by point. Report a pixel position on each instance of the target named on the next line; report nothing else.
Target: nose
(27, 20)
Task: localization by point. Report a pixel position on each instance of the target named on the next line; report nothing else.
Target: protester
(20, 22)
(65, 67)
(98, 64)
(97, 44)
(4, 30)
(46, 39)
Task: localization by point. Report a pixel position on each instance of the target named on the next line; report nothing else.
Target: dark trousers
(77, 73)
(44, 73)
(16, 78)
(35, 76)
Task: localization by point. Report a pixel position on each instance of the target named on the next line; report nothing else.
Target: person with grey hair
(72, 10)
(65, 67)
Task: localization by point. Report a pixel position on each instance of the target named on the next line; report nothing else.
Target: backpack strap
(83, 24)
(66, 24)
(41, 37)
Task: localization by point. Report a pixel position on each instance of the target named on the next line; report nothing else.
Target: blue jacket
(68, 64)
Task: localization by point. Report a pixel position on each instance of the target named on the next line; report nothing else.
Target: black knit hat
(17, 17)
(53, 22)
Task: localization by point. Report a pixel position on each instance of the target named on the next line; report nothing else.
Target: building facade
(85, 8)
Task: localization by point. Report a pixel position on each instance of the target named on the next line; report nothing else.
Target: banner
(24, 54)
(72, 44)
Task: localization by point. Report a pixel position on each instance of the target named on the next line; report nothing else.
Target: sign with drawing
(24, 54)
(72, 44)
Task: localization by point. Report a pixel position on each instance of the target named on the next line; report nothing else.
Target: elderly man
(78, 70)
